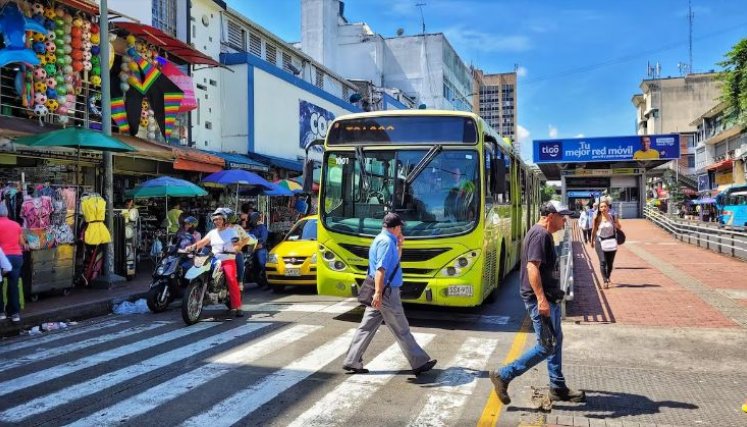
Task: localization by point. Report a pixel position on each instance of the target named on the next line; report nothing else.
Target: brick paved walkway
(660, 281)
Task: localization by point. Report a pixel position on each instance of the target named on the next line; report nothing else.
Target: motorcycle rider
(259, 230)
(186, 236)
(225, 243)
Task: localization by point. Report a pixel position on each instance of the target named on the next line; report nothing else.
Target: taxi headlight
(460, 264)
(313, 258)
(272, 258)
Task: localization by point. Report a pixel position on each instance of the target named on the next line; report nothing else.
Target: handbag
(609, 244)
(368, 288)
(620, 237)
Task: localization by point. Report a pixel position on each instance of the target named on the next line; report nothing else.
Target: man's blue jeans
(538, 353)
(14, 302)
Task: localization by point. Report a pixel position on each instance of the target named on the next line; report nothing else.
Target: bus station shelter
(614, 165)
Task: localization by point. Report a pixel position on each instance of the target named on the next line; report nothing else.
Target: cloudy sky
(579, 62)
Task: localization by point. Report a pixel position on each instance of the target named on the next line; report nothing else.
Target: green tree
(734, 77)
(548, 192)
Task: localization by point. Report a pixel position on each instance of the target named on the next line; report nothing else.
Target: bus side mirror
(499, 176)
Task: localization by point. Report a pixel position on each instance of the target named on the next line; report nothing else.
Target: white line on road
(348, 397)
(48, 353)
(456, 384)
(243, 403)
(96, 385)
(58, 371)
(171, 389)
(61, 334)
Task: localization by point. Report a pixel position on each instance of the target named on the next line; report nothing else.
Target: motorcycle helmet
(254, 218)
(222, 212)
(190, 220)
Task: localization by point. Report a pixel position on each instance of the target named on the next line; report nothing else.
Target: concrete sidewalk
(663, 346)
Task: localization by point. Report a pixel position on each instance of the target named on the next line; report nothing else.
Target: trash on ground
(127, 307)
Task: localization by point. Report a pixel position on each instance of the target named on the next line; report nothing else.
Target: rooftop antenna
(422, 17)
(690, 17)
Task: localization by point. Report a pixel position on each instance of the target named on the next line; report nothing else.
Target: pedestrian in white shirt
(5, 265)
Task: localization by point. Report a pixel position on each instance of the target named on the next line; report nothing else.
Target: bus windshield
(733, 203)
(442, 200)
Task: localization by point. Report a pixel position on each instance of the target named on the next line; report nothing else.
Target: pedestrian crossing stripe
(95, 385)
(236, 407)
(60, 335)
(348, 397)
(173, 388)
(47, 353)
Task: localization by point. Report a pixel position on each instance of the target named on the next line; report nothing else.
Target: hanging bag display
(368, 288)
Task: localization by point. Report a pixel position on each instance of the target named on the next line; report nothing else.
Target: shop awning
(87, 6)
(190, 159)
(147, 149)
(723, 164)
(277, 162)
(168, 43)
(239, 161)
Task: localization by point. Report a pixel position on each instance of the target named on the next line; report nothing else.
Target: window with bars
(319, 82)
(164, 16)
(255, 45)
(271, 54)
(236, 36)
(287, 62)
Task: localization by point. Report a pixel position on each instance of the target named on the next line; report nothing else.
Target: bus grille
(409, 290)
(408, 255)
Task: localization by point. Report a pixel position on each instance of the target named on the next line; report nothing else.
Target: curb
(76, 312)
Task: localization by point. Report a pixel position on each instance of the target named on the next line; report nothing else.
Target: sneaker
(353, 370)
(501, 387)
(3, 316)
(16, 318)
(427, 366)
(567, 395)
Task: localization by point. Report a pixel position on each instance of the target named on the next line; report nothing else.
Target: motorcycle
(207, 286)
(167, 280)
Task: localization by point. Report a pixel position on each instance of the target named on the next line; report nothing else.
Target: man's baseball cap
(392, 219)
(554, 206)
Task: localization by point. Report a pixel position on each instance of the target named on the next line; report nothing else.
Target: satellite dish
(400, 31)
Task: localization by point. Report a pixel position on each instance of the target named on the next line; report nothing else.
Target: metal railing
(727, 240)
(566, 267)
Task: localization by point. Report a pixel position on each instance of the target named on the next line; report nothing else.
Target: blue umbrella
(276, 190)
(238, 177)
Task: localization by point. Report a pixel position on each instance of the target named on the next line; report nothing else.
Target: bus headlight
(272, 258)
(331, 259)
(460, 264)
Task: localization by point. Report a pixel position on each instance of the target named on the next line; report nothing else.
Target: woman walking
(604, 233)
(11, 243)
(584, 221)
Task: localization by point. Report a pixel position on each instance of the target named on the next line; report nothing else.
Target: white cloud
(552, 131)
(523, 134)
(580, 135)
(464, 37)
(521, 71)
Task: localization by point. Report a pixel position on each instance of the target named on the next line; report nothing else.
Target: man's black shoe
(353, 370)
(500, 386)
(427, 366)
(567, 395)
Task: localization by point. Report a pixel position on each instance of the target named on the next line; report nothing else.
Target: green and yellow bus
(465, 194)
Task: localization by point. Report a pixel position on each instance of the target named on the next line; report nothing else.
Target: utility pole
(422, 17)
(690, 17)
(106, 123)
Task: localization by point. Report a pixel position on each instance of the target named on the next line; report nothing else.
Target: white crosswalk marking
(348, 397)
(58, 371)
(236, 407)
(47, 402)
(456, 384)
(169, 390)
(63, 334)
(48, 353)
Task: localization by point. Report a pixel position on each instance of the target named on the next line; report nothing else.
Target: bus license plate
(295, 272)
(459, 291)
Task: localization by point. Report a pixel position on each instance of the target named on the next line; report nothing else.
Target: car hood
(295, 248)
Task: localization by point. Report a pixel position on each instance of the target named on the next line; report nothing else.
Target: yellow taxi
(293, 261)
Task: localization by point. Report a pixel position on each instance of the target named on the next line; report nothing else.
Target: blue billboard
(608, 149)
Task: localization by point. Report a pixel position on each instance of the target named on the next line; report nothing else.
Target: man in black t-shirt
(540, 289)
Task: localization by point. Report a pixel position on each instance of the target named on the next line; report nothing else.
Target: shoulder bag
(368, 288)
(619, 234)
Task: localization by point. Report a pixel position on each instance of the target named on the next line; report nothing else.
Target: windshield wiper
(423, 163)
(360, 157)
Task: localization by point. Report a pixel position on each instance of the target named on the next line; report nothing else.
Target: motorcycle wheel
(192, 302)
(154, 299)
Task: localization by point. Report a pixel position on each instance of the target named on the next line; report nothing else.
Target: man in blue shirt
(259, 231)
(383, 259)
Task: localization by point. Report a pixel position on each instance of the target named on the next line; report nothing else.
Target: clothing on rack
(94, 212)
(36, 212)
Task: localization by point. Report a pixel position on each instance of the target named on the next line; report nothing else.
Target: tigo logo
(550, 150)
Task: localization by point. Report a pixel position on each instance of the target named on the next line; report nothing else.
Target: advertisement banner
(313, 122)
(608, 149)
(704, 183)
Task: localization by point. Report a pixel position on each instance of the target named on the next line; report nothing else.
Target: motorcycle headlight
(160, 270)
(272, 258)
(313, 258)
(460, 264)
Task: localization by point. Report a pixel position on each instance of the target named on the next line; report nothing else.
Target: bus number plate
(459, 291)
(295, 272)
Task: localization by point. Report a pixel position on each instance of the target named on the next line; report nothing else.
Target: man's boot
(501, 387)
(567, 395)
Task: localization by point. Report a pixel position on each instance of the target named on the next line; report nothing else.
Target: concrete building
(424, 67)
(496, 101)
(721, 151)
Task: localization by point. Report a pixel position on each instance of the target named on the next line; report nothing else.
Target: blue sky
(580, 62)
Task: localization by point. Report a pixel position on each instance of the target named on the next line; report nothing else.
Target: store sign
(608, 149)
(583, 194)
(724, 178)
(704, 183)
(314, 122)
(602, 172)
